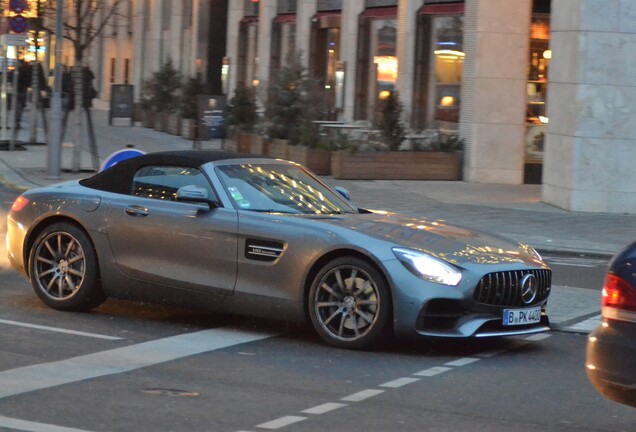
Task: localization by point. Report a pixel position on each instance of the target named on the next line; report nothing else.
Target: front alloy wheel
(349, 303)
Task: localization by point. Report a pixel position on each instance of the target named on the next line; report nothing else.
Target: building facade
(478, 67)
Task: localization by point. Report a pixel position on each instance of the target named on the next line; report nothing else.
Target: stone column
(351, 10)
(235, 13)
(139, 49)
(304, 11)
(591, 144)
(493, 94)
(406, 33)
(266, 14)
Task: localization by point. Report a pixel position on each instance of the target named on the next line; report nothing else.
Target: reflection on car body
(265, 237)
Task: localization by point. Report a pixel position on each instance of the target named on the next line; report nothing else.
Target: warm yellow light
(387, 68)
(255, 82)
(447, 101)
(547, 54)
(384, 94)
(450, 53)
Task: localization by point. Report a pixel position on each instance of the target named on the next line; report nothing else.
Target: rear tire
(63, 269)
(349, 303)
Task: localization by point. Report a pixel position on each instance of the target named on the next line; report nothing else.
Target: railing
(287, 6)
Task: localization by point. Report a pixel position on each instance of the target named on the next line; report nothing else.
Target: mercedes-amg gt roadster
(265, 237)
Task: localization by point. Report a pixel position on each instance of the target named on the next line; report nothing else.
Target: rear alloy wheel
(349, 303)
(63, 269)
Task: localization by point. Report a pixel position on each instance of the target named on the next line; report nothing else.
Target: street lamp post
(55, 142)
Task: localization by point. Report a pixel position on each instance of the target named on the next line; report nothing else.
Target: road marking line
(491, 353)
(42, 376)
(362, 395)
(23, 425)
(324, 408)
(462, 361)
(538, 337)
(432, 371)
(281, 422)
(58, 330)
(400, 382)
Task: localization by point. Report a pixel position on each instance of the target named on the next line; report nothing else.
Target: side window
(162, 182)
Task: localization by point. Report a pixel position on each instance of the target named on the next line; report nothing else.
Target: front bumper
(423, 308)
(610, 356)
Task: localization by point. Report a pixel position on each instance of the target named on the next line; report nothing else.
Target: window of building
(127, 71)
(247, 56)
(166, 14)
(439, 67)
(113, 70)
(187, 14)
(324, 65)
(283, 40)
(537, 93)
(383, 67)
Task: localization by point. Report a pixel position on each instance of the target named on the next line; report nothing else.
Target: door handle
(137, 211)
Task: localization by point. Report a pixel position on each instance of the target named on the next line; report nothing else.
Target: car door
(157, 239)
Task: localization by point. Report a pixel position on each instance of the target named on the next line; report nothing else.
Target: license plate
(514, 317)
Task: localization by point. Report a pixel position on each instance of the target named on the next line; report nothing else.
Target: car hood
(452, 243)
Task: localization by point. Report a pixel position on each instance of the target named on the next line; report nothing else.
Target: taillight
(618, 294)
(19, 203)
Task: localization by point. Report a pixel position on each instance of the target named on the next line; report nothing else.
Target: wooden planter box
(396, 165)
(173, 124)
(257, 145)
(189, 129)
(160, 121)
(279, 148)
(148, 118)
(239, 144)
(318, 161)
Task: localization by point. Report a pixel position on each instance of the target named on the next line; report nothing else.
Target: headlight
(428, 267)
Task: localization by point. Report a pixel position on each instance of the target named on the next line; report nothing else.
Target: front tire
(63, 269)
(349, 303)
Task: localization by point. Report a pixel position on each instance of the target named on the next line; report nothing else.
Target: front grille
(504, 288)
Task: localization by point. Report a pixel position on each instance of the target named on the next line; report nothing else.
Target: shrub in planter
(390, 123)
(159, 92)
(241, 112)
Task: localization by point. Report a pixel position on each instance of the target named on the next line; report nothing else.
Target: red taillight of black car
(19, 203)
(619, 299)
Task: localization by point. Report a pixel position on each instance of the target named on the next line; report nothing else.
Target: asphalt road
(131, 366)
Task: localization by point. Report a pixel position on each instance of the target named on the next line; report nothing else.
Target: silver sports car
(265, 237)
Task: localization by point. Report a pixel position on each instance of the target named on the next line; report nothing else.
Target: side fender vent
(263, 250)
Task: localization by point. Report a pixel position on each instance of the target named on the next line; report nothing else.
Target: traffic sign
(18, 24)
(13, 40)
(18, 6)
(119, 156)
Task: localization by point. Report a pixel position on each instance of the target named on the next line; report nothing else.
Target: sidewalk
(515, 211)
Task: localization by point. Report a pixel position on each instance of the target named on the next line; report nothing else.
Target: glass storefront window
(446, 71)
(537, 88)
(384, 65)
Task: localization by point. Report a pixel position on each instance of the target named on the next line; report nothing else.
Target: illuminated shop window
(447, 64)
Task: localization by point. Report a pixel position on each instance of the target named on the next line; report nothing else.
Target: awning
(380, 12)
(285, 18)
(443, 9)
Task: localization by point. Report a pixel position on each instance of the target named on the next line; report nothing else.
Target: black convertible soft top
(118, 178)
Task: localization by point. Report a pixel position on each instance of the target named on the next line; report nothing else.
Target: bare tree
(85, 21)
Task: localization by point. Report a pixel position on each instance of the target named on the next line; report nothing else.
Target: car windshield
(279, 188)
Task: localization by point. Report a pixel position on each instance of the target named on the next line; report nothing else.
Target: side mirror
(195, 194)
(343, 192)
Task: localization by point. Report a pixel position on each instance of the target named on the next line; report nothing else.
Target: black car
(611, 348)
